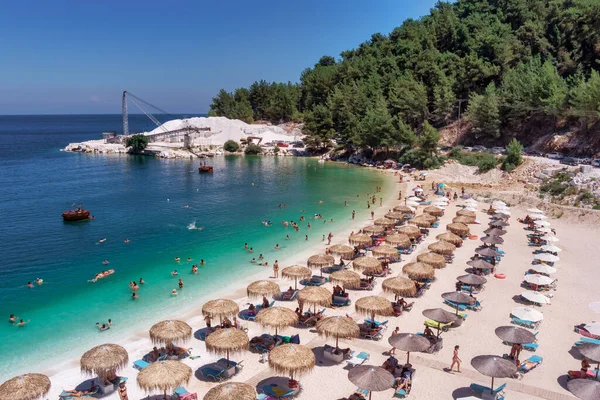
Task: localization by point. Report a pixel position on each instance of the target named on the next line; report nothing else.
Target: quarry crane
(142, 105)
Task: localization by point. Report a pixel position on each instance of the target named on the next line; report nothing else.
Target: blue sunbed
(377, 324)
(461, 307)
(536, 360)
(480, 388)
(522, 322)
(213, 373)
(140, 364)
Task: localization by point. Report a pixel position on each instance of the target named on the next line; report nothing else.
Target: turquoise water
(144, 199)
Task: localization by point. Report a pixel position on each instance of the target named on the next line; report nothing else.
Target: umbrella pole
(597, 370)
(492, 388)
(337, 338)
(165, 394)
(295, 283)
(407, 357)
(227, 358)
(275, 331)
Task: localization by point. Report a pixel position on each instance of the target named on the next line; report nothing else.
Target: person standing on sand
(400, 195)
(372, 215)
(207, 320)
(395, 332)
(455, 360)
(353, 212)
(276, 269)
(329, 237)
(123, 391)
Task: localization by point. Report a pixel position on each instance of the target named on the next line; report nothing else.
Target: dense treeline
(507, 61)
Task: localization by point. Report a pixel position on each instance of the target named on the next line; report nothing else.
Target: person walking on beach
(400, 195)
(353, 212)
(276, 269)
(123, 391)
(329, 237)
(372, 215)
(395, 332)
(455, 360)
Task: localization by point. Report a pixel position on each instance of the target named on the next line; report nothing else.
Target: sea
(164, 207)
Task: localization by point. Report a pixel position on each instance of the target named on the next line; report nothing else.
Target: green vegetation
(557, 185)
(137, 142)
(517, 62)
(276, 149)
(514, 156)
(252, 149)
(483, 160)
(231, 146)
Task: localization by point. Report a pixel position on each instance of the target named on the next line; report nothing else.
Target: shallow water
(142, 199)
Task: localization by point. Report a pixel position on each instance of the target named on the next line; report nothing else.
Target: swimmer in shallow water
(126, 240)
(189, 259)
(12, 318)
(277, 246)
(177, 259)
(194, 269)
(134, 296)
(102, 240)
(21, 323)
(105, 262)
(174, 292)
(142, 281)
(202, 262)
(29, 284)
(174, 273)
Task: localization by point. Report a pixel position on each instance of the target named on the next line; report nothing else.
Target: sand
(577, 280)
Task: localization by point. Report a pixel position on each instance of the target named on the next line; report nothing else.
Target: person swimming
(126, 240)
(102, 240)
(260, 257)
(174, 292)
(134, 296)
(174, 273)
(189, 259)
(102, 327)
(105, 262)
(287, 237)
(202, 262)
(12, 318)
(142, 281)
(253, 260)
(194, 269)
(276, 247)
(177, 259)
(29, 284)
(180, 283)
(39, 281)
(21, 323)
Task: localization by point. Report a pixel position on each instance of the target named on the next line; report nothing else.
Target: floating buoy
(500, 276)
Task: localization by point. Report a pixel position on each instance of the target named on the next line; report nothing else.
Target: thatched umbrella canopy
(294, 272)
(495, 232)
(25, 387)
(346, 278)
(395, 215)
(418, 270)
(228, 340)
(374, 305)
(373, 230)
(400, 240)
(164, 375)
(514, 334)
(458, 298)
(104, 360)
(404, 209)
(435, 260)
(463, 220)
(292, 359)
(385, 222)
(439, 315)
(220, 308)
(409, 342)
(314, 295)
(409, 230)
(371, 378)
(450, 238)
(320, 261)
(442, 247)
(585, 389)
(262, 288)
(338, 327)
(421, 221)
(385, 250)
(492, 240)
(169, 332)
(366, 262)
(276, 317)
(499, 223)
(486, 252)
(466, 213)
(360, 239)
(435, 211)
(399, 286)
(231, 391)
(592, 352)
(458, 229)
(472, 279)
(494, 366)
(342, 250)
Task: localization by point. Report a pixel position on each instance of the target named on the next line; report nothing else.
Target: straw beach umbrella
(294, 272)
(463, 220)
(472, 279)
(450, 238)
(404, 209)
(371, 378)
(342, 250)
(440, 316)
(315, 296)
(277, 317)
(320, 261)
(231, 391)
(464, 213)
(458, 298)
(486, 252)
(169, 332)
(498, 223)
(421, 221)
(495, 232)
(338, 327)
(442, 247)
(164, 376)
(410, 231)
(25, 387)
(292, 359)
(366, 262)
(262, 288)
(514, 334)
(374, 230)
(494, 366)
(435, 211)
(435, 260)
(227, 340)
(418, 270)
(409, 342)
(220, 308)
(374, 305)
(360, 239)
(385, 251)
(458, 229)
(104, 360)
(395, 215)
(585, 389)
(400, 240)
(592, 352)
(346, 278)
(492, 240)
(399, 286)
(385, 222)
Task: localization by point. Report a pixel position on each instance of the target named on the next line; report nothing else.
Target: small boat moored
(76, 215)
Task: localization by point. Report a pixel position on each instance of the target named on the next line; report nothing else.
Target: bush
(514, 155)
(137, 142)
(419, 159)
(554, 187)
(276, 149)
(586, 197)
(508, 167)
(252, 149)
(487, 163)
(483, 160)
(231, 146)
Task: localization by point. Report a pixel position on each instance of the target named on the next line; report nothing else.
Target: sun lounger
(522, 322)
(358, 359)
(315, 281)
(369, 333)
(275, 392)
(434, 324)
(461, 307)
(584, 339)
(238, 365)
(377, 324)
(362, 392)
(480, 388)
(68, 396)
(340, 302)
(140, 364)
(287, 296)
(214, 373)
(530, 364)
(183, 394)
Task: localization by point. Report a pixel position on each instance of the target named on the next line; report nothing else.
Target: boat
(76, 215)
(205, 169)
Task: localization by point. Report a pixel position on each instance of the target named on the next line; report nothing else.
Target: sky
(77, 57)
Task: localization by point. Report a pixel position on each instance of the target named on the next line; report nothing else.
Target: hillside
(525, 69)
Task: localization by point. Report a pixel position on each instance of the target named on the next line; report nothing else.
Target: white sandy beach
(577, 280)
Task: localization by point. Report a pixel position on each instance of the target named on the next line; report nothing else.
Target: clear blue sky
(73, 57)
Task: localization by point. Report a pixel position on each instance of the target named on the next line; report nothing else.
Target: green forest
(509, 63)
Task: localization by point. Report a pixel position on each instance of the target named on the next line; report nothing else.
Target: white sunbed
(358, 359)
